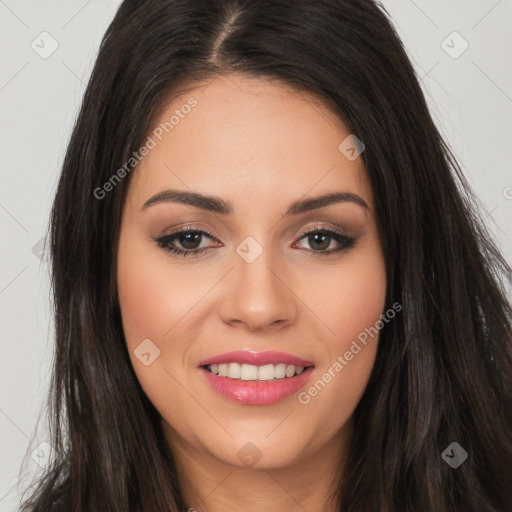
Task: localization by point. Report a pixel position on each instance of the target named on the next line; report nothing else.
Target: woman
(272, 286)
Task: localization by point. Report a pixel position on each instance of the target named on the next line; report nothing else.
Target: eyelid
(323, 227)
(189, 227)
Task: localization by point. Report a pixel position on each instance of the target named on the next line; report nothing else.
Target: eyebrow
(218, 205)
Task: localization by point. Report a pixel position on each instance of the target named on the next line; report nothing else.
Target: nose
(258, 296)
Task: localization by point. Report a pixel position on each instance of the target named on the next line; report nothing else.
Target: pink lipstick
(256, 378)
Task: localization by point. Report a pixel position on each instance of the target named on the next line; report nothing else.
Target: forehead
(247, 139)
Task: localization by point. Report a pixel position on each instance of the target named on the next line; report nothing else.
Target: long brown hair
(443, 371)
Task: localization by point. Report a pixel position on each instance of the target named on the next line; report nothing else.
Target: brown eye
(189, 240)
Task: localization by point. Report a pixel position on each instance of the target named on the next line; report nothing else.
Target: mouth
(256, 378)
(248, 372)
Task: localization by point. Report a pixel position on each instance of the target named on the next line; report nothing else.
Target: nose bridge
(257, 295)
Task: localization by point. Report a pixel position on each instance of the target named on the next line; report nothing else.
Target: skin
(259, 146)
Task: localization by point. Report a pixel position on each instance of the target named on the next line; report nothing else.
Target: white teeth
(266, 372)
(252, 372)
(234, 371)
(280, 371)
(290, 370)
(248, 372)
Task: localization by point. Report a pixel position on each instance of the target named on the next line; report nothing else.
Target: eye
(320, 239)
(190, 239)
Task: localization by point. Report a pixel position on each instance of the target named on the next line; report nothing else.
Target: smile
(251, 372)
(256, 378)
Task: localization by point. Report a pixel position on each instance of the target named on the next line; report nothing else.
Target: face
(248, 338)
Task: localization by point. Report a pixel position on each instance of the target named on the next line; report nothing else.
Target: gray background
(469, 93)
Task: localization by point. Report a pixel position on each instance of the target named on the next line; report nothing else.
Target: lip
(256, 358)
(253, 392)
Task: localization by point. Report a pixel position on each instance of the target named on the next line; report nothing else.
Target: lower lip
(257, 392)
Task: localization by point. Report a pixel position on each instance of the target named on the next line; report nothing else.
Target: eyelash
(165, 241)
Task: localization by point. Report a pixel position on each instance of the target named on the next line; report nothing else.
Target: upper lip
(256, 358)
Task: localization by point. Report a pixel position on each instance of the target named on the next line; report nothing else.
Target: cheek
(351, 298)
(142, 308)
(159, 301)
(356, 297)
(153, 295)
(149, 305)
(151, 309)
(360, 302)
